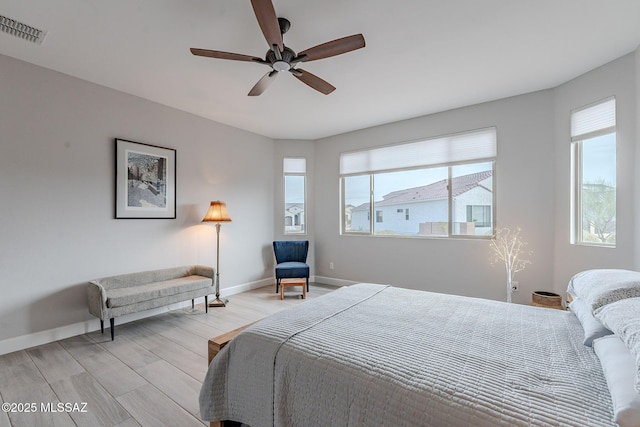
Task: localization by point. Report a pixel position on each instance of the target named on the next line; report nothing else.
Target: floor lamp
(217, 213)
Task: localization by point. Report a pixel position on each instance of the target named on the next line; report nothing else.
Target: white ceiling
(422, 56)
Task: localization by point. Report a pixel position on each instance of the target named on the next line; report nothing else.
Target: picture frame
(145, 186)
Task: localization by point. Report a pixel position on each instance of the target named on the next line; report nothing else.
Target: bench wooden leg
(112, 322)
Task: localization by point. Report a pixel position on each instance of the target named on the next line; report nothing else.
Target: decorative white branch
(508, 248)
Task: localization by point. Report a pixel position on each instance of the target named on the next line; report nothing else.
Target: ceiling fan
(280, 57)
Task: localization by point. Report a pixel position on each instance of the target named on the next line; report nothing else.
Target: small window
(593, 136)
(295, 170)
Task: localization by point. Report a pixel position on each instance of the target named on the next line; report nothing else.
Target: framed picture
(145, 181)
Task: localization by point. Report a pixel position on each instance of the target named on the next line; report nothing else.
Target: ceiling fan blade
(263, 83)
(225, 55)
(266, 15)
(333, 48)
(313, 81)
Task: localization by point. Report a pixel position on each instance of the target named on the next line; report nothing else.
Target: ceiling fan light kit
(281, 58)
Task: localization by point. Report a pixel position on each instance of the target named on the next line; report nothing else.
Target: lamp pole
(218, 302)
(217, 213)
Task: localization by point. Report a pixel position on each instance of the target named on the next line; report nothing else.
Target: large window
(593, 136)
(441, 187)
(295, 170)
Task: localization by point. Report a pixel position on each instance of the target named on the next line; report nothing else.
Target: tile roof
(436, 190)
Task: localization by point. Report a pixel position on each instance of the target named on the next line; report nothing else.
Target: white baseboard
(232, 290)
(44, 337)
(333, 281)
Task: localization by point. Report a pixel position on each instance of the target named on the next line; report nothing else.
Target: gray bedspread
(373, 355)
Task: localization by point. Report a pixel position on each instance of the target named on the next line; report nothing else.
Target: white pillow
(604, 286)
(592, 327)
(623, 319)
(618, 367)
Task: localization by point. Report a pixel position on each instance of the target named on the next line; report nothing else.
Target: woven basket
(546, 299)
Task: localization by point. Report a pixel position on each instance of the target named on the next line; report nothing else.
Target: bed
(371, 354)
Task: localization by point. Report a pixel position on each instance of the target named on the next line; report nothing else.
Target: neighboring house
(347, 216)
(294, 217)
(424, 210)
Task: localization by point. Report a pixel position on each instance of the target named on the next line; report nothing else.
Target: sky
(294, 189)
(599, 159)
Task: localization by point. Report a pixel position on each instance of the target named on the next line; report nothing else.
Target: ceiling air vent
(24, 31)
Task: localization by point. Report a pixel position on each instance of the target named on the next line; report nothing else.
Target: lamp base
(218, 303)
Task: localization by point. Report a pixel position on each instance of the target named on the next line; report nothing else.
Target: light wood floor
(149, 376)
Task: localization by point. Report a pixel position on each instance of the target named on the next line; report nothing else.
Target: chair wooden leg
(277, 285)
(206, 304)
(113, 327)
(307, 284)
(192, 304)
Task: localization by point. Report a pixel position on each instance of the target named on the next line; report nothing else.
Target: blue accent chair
(291, 260)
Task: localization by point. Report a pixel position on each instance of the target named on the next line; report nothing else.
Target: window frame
(450, 165)
(577, 167)
(285, 174)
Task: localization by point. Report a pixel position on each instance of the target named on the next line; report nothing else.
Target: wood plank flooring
(149, 376)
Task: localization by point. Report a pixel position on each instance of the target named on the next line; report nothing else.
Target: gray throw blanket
(370, 355)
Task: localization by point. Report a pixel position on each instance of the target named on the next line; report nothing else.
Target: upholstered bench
(115, 296)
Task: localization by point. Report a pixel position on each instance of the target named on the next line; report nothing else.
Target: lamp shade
(217, 213)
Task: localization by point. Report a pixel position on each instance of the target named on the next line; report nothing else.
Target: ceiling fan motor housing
(283, 64)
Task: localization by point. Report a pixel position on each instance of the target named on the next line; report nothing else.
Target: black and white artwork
(145, 180)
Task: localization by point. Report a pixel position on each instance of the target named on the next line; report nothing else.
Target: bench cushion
(135, 294)
(144, 277)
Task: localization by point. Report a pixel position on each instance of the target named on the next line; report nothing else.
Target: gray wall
(636, 186)
(618, 79)
(533, 192)
(525, 188)
(57, 227)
